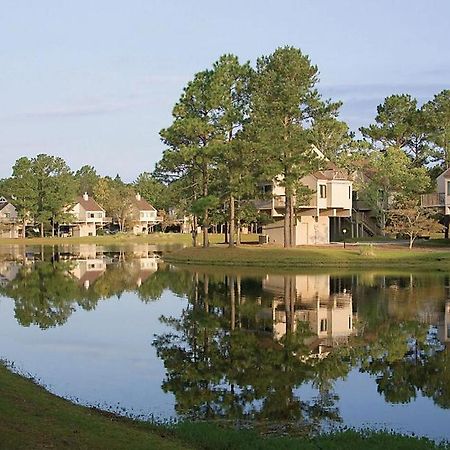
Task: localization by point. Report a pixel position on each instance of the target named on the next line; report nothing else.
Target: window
(448, 187)
(349, 192)
(349, 322)
(323, 190)
(323, 325)
(267, 189)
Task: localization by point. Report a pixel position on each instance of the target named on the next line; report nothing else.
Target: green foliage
(393, 179)
(399, 123)
(438, 114)
(43, 187)
(116, 198)
(155, 192)
(86, 178)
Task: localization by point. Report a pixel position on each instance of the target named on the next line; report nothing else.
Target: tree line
(236, 126)
(42, 188)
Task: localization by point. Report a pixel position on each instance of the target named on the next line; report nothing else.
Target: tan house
(9, 224)
(143, 216)
(441, 198)
(332, 197)
(88, 217)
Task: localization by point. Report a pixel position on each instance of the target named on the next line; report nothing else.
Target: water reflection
(264, 348)
(48, 285)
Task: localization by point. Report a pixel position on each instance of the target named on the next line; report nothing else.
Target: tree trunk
(238, 235)
(287, 212)
(194, 231)
(232, 222)
(53, 227)
(225, 233)
(42, 229)
(233, 304)
(292, 222)
(206, 215)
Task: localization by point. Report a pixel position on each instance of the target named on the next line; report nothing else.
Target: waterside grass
(354, 256)
(31, 417)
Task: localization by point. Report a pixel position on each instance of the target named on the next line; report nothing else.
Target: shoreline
(32, 417)
(313, 257)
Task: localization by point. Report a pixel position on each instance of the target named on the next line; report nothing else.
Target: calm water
(121, 329)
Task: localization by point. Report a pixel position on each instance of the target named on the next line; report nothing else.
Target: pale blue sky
(95, 81)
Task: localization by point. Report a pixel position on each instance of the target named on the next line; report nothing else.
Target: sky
(95, 81)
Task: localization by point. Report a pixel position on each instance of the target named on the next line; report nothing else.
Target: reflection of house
(143, 216)
(318, 300)
(9, 227)
(8, 271)
(88, 270)
(331, 197)
(147, 266)
(88, 216)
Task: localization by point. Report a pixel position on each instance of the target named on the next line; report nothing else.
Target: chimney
(138, 197)
(85, 197)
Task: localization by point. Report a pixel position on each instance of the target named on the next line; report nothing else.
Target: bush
(366, 250)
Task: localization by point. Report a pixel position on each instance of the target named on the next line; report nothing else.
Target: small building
(331, 198)
(143, 216)
(9, 223)
(88, 217)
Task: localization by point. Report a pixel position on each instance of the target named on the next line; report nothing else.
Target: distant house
(331, 200)
(9, 224)
(143, 216)
(88, 217)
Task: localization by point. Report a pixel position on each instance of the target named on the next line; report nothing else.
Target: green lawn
(329, 256)
(32, 418)
(121, 238)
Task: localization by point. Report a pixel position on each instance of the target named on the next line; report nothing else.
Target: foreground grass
(352, 256)
(32, 418)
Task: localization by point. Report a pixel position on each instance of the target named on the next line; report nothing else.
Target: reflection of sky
(99, 357)
(361, 406)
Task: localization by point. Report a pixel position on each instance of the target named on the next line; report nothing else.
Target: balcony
(434, 200)
(276, 202)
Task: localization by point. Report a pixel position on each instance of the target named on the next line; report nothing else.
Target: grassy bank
(351, 257)
(30, 417)
(116, 239)
(120, 239)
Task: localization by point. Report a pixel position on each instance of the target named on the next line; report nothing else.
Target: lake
(287, 352)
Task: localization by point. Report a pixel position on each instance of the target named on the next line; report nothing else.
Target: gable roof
(331, 173)
(445, 174)
(89, 205)
(3, 202)
(143, 205)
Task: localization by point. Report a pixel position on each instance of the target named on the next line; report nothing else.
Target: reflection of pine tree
(219, 368)
(44, 294)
